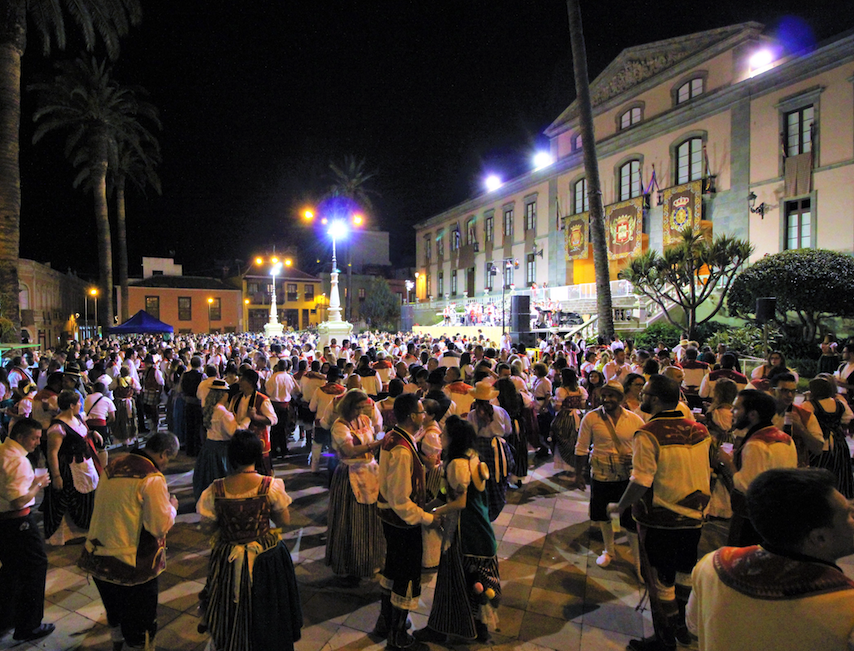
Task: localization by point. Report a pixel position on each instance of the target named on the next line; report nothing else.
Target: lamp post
(93, 292)
(210, 303)
(334, 326)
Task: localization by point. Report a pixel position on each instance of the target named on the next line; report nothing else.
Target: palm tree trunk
(12, 41)
(591, 168)
(122, 244)
(105, 248)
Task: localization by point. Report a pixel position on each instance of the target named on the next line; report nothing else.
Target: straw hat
(479, 473)
(613, 386)
(483, 391)
(219, 385)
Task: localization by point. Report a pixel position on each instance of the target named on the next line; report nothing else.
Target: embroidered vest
(399, 438)
(150, 551)
(759, 574)
(242, 520)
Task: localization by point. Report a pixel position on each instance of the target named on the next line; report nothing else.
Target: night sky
(256, 97)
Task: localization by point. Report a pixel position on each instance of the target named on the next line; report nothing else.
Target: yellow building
(300, 301)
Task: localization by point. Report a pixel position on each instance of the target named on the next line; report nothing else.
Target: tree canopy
(810, 285)
(381, 307)
(688, 274)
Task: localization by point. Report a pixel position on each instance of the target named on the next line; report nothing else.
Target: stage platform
(490, 333)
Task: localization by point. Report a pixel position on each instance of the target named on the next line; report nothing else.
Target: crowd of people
(419, 441)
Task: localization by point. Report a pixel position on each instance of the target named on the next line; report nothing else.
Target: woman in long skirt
(254, 604)
(569, 401)
(468, 586)
(832, 414)
(220, 425)
(74, 473)
(510, 400)
(355, 545)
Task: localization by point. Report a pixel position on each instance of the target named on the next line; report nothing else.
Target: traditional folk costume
(240, 405)
(125, 550)
(565, 425)
(671, 459)
(761, 449)
(755, 598)
(321, 399)
(401, 507)
(355, 545)
(251, 601)
(468, 586)
(835, 456)
(68, 512)
(212, 462)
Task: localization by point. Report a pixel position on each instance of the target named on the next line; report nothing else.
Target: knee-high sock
(316, 452)
(607, 536)
(634, 546)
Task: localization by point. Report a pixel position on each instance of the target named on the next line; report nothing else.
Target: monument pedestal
(337, 330)
(273, 330)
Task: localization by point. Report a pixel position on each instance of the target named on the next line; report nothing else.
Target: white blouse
(223, 424)
(278, 498)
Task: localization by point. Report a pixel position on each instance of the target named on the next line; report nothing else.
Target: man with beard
(762, 448)
(610, 430)
(799, 423)
(788, 594)
(668, 492)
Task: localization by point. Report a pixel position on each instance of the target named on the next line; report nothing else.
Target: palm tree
(350, 180)
(136, 161)
(591, 168)
(98, 113)
(107, 19)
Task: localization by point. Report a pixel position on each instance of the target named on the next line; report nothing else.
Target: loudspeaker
(765, 309)
(520, 313)
(526, 339)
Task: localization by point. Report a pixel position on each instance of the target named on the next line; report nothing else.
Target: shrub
(806, 367)
(665, 332)
(746, 340)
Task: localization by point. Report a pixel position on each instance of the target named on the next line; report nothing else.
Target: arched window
(629, 180)
(690, 89)
(580, 200)
(689, 161)
(631, 117)
(24, 296)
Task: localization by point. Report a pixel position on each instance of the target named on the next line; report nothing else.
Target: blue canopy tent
(142, 323)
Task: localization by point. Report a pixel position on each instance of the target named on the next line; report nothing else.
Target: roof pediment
(635, 65)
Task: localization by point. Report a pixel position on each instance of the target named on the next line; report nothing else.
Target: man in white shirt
(23, 561)
(280, 388)
(617, 369)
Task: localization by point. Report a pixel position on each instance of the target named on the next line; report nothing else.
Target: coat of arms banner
(683, 207)
(575, 231)
(624, 228)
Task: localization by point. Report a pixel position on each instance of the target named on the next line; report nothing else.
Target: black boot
(398, 637)
(383, 624)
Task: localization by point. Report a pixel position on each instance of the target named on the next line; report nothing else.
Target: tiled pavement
(554, 595)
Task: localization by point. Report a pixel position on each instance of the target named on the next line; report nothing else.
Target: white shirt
(98, 407)
(396, 485)
(16, 474)
(280, 386)
(276, 495)
(223, 424)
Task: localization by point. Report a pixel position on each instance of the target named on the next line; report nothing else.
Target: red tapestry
(624, 228)
(575, 232)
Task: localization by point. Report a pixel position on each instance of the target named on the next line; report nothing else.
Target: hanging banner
(624, 228)
(575, 231)
(683, 207)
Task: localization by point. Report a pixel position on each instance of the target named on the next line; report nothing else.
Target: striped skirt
(564, 437)
(267, 613)
(837, 461)
(355, 544)
(452, 612)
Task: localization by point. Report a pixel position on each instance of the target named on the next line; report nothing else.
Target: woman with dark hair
(220, 425)
(593, 384)
(832, 414)
(355, 546)
(776, 365)
(466, 368)
(251, 600)
(74, 473)
(569, 401)
(492, 424)
(650, 368)
(632, 385)
(511, 401)
(468, 583)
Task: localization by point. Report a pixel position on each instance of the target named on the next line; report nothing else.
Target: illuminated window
(216, 310)
(309, 292)
(152, 306)
(454, 282)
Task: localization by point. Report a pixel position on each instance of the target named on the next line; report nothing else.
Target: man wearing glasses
(668, 492)
(799, 423)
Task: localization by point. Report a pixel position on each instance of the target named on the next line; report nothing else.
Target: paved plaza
(554, 595)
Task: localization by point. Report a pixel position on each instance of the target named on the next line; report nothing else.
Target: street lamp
(210, 303)
(93, 292)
